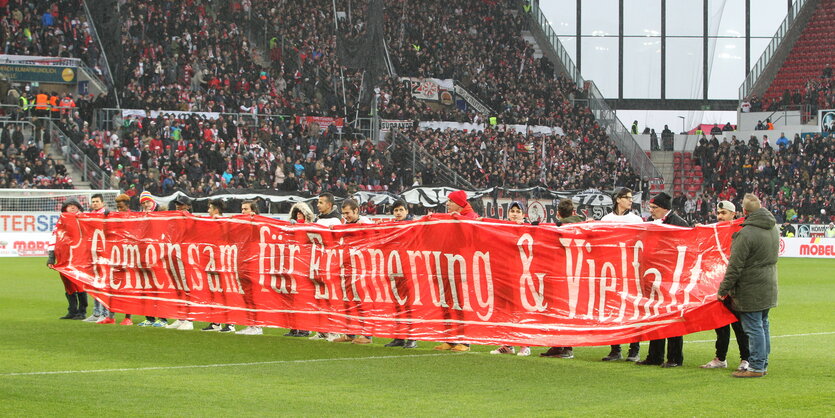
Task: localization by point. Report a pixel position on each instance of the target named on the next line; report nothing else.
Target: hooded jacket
(304, 208)
(751, 277)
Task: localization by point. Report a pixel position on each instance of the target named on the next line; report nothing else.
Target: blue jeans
(99, 309)
(755, 325)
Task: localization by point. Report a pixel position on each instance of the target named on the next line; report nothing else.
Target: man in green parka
(751, 281)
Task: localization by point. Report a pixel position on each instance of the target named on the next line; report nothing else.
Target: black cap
(662, 200)
(182, 200)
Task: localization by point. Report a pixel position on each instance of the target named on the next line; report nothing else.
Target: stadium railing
(442, 172)
(770, 50)
(618, 133)
(90, 172)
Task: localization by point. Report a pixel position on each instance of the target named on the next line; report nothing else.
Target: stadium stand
(24, 163)
(805, 78)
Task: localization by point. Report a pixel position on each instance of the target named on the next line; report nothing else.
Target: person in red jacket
(76, 296)
(457, 203)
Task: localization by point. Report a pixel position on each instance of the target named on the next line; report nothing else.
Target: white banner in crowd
(534, 129)
(826, 118)
(427, 88)
(807, 247)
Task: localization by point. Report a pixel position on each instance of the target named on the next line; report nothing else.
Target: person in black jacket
(401, 214)
(660, 208)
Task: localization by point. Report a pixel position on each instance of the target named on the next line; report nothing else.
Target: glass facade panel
(727, 69)
(766, 16)
(599, 18)
(562, 14)
(684, 18)
(600, 64)
(727, 18)
(642, 18)
(642, 68)
(684, 68)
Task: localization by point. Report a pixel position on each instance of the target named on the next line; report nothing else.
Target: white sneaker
(524, 351)
(743, 366)
(185, 325)
(715, 364)
(318, 336)
(505, 349)
(330, 336)
(251, 331)
(92, 318)
(175, 324)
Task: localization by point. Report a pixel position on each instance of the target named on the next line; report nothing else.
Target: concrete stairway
(528, 36)
(54, 151)
(663, 160)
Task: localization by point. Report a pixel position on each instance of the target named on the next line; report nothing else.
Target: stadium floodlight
(50, 200)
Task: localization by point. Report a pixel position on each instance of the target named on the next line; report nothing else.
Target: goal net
(44, 200)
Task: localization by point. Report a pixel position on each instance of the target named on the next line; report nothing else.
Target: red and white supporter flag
(441, 278)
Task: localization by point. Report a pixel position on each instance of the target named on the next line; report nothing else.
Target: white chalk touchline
(773, 336)
(318, 360)
(204, 366)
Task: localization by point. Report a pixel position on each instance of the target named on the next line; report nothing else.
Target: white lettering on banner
(374, 275)
(139, 261)
(526, 283)
(387, 124)
(471, 100)
(600, 294)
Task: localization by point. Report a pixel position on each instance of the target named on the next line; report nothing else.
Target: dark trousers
(675, 347)
(77, 303)
(723, 340)
(633, 348)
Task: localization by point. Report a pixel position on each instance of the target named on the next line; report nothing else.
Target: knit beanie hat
(662, 200)
(145, 196)
(459, 197)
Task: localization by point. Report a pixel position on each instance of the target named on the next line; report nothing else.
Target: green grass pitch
(114, 370)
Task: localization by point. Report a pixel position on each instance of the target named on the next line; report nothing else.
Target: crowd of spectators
(201, 156)
(23, 161)
(198, 56)
(817, 93)
(580, 159)
(51, 29)
(795, 178)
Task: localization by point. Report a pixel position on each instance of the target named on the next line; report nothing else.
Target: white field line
(321, 360)
(205, 366)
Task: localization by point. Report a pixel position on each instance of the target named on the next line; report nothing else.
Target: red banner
(439, 279)
(323, 122)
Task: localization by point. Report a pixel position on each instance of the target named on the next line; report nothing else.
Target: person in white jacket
(622, 213)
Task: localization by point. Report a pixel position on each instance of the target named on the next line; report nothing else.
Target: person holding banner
(76, 296)
(351, 215)
(401, 214)
(328, 216)
(457, 204)
(183, 203)
(622, 213)
(300, 213)
(660, 207)
(123, 205)
(101, 315)
(567, 215)
(249, 207)
(726, 212)
(515, 213)
(751, 281)
(216, 211)
(148, 204)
